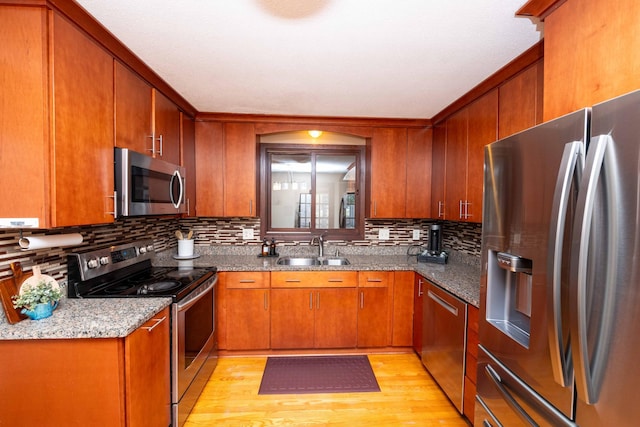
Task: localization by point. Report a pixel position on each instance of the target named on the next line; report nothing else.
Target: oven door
(193, 336)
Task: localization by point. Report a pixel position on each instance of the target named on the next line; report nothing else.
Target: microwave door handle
(571, 166)
(176, 175)
(589, 371)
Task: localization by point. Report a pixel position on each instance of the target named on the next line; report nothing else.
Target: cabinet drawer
(314, 279)
(245, 279)
(375, 279)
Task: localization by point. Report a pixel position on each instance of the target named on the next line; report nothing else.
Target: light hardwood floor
(408, 396)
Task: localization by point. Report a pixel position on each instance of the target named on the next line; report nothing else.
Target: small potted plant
(38, 301)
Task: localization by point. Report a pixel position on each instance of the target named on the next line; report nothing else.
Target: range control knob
(104, 260)
(93, 263)
(143, 249)
(149, 248)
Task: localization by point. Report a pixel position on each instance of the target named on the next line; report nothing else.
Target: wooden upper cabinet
(134, 111)
(483, 130)
(520, 101)
(188, 159)
(388, 173)
(438, 170)
(57, 121)
(82, 186)
(590, 54)
(24, 114)
(146, 121)
(209, 169)
(467, 132)
(400, 173)
(240, 154)
(456, 167)
(418, 191)
(166, 130)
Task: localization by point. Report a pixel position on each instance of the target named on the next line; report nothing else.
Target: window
(309, 190)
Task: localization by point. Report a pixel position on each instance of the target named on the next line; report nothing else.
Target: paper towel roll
(51, 241)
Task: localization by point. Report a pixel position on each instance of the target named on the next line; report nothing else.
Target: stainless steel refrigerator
(560, 285)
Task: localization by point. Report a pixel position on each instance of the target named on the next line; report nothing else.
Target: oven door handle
(195, 296)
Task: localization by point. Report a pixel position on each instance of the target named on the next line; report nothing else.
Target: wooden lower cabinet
(403, 309)
(375, 291)
(418, 299)
(245, 310)
(106, 382)
(471, 364)
(313, 309)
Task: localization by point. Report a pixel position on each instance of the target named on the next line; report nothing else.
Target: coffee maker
(434, 253)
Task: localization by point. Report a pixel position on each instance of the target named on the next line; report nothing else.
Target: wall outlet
(416, 235)
(247, 234)
(383, 234)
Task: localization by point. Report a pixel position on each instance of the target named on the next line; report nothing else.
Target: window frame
(297, 234)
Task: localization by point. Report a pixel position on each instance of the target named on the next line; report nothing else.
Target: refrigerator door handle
(571, 167)
(541, 406)
(497, 382)
(589, 371)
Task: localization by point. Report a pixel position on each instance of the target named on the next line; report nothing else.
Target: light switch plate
(416, 234)
(247, 234)
(383, 234)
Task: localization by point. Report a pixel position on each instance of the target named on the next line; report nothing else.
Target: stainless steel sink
(335, 261)
(302, 261)
(309, 261)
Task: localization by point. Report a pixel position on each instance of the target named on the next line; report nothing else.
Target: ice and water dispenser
(509, 287)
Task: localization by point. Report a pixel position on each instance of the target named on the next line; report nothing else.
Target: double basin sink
(309, 261)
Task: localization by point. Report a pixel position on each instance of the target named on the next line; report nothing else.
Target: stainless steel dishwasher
(444, 341)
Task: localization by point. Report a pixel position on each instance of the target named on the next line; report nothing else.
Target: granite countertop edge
(87, 318)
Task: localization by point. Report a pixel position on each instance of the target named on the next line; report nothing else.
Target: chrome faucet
(320, 240)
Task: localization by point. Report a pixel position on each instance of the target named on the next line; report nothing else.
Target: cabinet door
(243, 305)
(147, 373)
(402, 321)
(418, 292)
(166, 129)
(240, 165)
(247, 319)
(374, 301)
(335, 317)
(521, 101)
(418, 194)
(188, 159)
(388, 173)
(84, 135)
(24, 120)
(438, 171)
(456, 168)
(292, 318)
(133, 111)
(209, 171)
(483, 130)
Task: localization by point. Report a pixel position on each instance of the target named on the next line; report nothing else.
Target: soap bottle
(272, 247)
(265, 247)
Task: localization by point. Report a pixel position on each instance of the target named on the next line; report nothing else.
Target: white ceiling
(353, 58)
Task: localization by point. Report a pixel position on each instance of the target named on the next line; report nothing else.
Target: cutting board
(9, 287)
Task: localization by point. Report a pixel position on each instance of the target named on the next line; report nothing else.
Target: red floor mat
(318, 374)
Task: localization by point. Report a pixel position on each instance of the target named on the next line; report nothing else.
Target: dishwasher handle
(451, 309)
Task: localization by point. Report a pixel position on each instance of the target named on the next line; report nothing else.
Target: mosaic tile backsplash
(219, 232)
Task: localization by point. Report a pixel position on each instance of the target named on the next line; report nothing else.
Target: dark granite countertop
(458, 276)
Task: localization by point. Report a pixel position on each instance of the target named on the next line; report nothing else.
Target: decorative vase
(41, 311)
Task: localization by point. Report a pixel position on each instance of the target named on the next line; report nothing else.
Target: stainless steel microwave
(147, 186)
